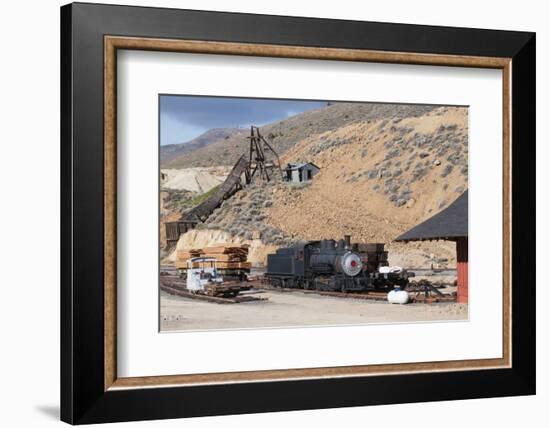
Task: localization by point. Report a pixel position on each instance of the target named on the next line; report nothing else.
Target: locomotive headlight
(351, 264)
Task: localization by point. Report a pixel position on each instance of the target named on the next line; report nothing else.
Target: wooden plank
(227, 257)
(234, 265)
(225, 249)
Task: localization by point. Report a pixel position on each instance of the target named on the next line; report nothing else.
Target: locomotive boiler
(331, 265)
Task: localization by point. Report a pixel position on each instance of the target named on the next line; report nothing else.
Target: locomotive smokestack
(347, 240)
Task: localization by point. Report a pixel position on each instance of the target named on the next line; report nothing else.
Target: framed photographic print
(316, 213)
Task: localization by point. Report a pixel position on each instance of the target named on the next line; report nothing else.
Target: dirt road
(286, 309)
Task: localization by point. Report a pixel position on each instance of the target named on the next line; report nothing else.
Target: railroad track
(174, 286)
(367, 295)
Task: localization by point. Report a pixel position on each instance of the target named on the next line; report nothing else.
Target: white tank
(398, 296)
(390, 269)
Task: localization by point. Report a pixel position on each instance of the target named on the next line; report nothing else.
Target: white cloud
(175, 131)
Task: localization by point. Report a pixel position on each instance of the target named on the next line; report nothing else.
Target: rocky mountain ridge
(170, 152)
(284, 134)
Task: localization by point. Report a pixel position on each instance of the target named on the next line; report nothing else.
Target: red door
(462, 270)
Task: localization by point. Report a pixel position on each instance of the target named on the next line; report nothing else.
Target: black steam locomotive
(330, 265)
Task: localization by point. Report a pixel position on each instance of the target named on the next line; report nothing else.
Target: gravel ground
(286, 309)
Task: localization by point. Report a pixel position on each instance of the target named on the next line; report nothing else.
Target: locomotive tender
(330, 265)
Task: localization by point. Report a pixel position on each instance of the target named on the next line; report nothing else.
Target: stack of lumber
(228, 256)
(183, 255)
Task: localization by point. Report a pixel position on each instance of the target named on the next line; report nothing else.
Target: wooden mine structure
(232, 184)
(262, 158)
(263, 161)
(176, 228)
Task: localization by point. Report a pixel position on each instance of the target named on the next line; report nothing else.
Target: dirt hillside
(198, 180)
(257, 250)
(377, 180)
(383, 169)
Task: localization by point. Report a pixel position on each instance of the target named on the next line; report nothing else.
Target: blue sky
(183, 118)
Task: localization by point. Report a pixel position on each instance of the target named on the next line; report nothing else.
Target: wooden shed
(451, 224)
(176, 228)
(300, 172)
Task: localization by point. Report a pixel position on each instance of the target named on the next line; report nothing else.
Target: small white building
(300, 172)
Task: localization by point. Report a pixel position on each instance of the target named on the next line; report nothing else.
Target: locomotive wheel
(276, 282)
(230, 294)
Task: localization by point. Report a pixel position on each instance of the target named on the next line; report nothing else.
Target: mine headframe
(263, 159)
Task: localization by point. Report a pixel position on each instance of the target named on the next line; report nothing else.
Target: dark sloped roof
(293, 166)
(450, 223)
